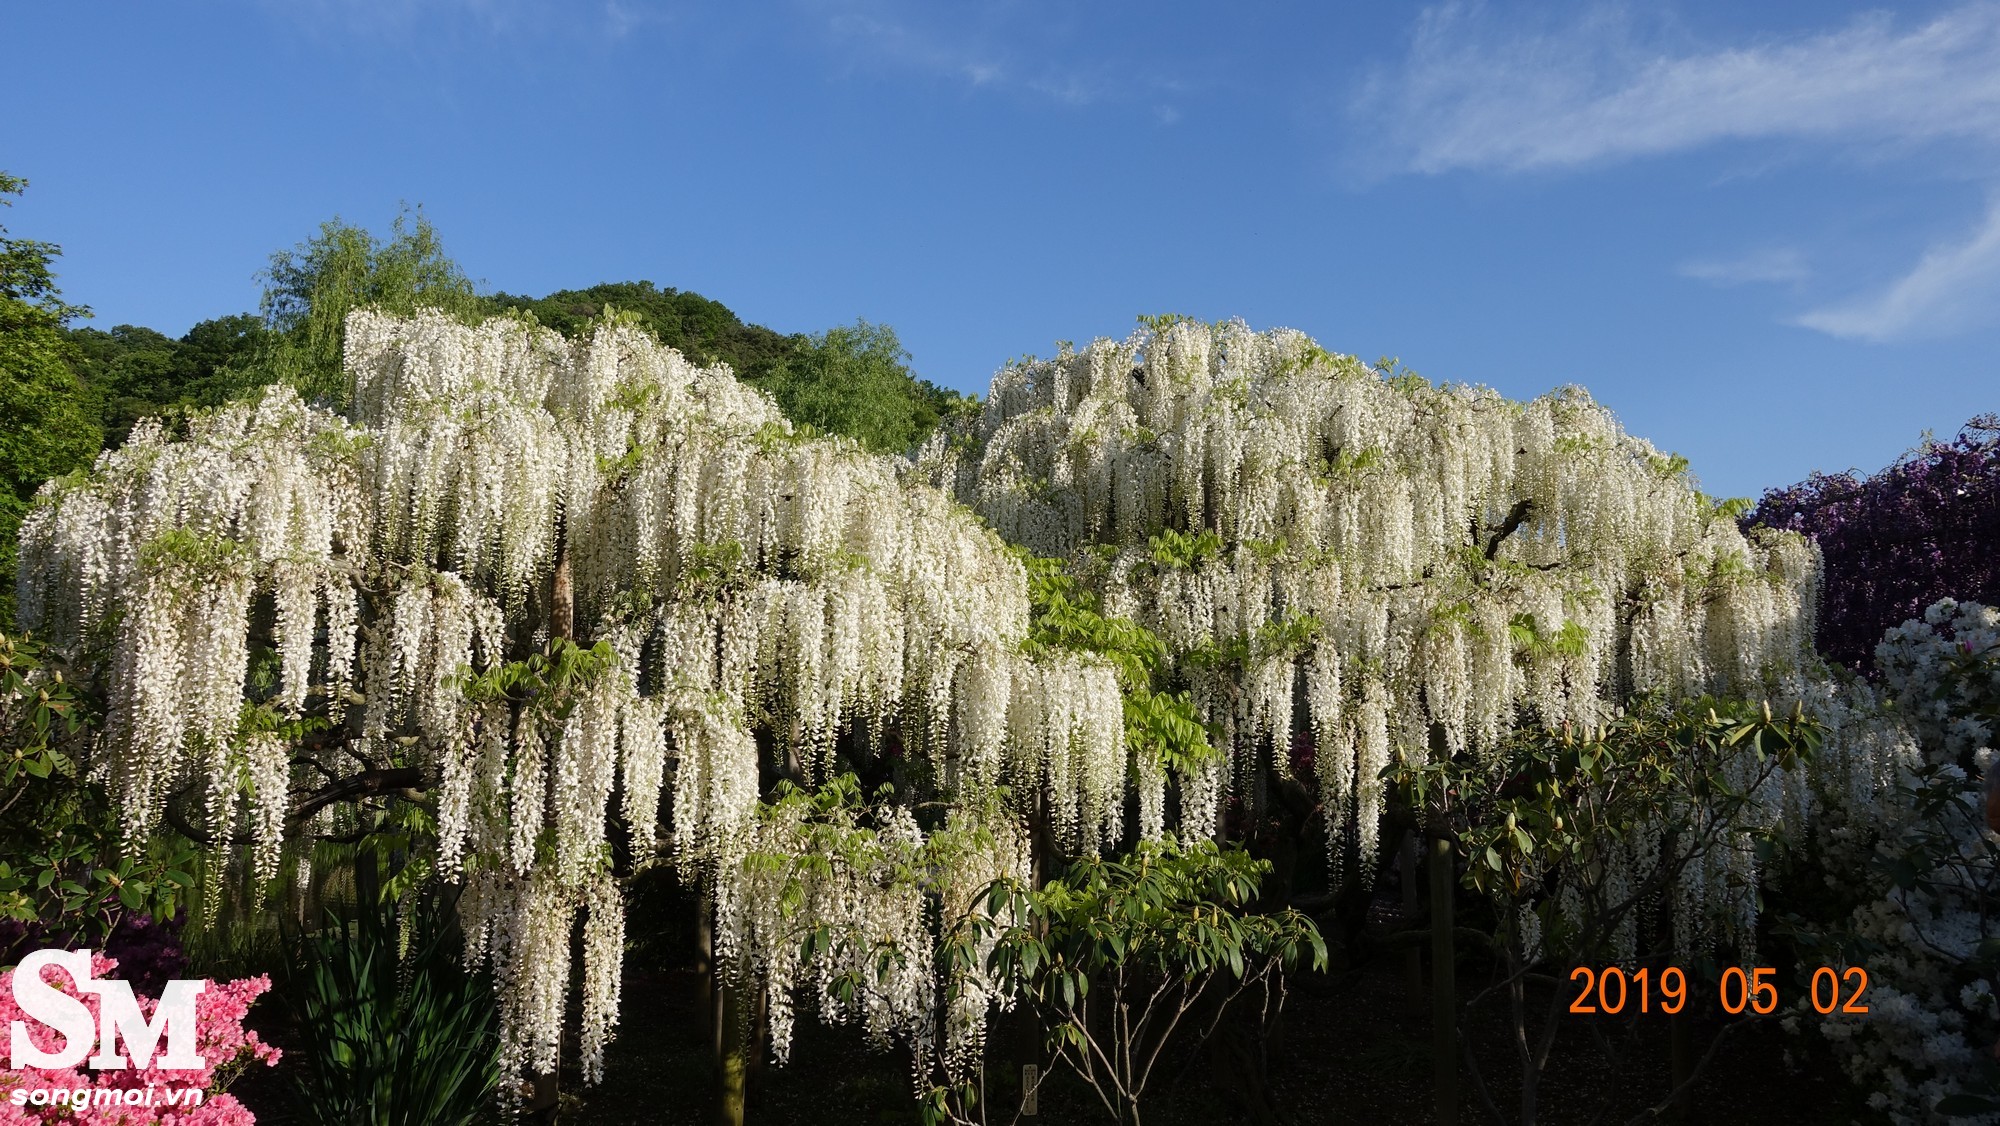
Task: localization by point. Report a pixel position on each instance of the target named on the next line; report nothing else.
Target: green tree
(855, 380)
(1118, 955)
(133, 372)
(1578, 839)
(310, 289)
(701, 329)
(46, 426)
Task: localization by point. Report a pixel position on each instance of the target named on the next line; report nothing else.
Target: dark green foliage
(1169, 908)
(1118, 956)
(46, 425)
(397, 1033)
(855, 380)
(1550, 805)
(63, 872)
(1544, 822)
(134, 373)
(703, 330)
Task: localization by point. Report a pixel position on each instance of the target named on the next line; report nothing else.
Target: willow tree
(548, 585)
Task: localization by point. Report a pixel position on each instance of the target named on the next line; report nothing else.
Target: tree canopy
(47, 424)
(134, 373)
(855, 380)
(701, 329)
(852, 379)
(310, 289)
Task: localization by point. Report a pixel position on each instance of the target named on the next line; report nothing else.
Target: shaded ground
(1352, 1051)
(1352, 1048)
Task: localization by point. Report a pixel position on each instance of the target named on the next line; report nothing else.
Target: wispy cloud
(882, 36)
(1030, 46)
(1771, 265)
(1473, 94)
(1476, 93)
(398, 19)
(1952, 287)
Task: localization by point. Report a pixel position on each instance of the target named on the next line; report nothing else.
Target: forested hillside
(73, 387)
(853, 380)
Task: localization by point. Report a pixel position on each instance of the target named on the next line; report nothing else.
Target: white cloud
(1954, 286)
(1771, 265)
(878, 34)
(1475, 95)
(1037, 47)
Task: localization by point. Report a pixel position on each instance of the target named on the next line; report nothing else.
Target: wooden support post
(1444, 985)
(1413, 955)
(1680, 1058)
(733, 1070)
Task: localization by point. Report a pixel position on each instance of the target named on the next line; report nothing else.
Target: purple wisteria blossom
(1925, 528)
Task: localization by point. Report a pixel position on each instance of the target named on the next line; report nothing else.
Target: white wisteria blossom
(556, 583)
(1363, 556)
(529, 575)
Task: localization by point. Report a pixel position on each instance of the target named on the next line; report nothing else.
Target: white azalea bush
(1929, 937)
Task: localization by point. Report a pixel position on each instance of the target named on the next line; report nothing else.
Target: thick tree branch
(402, 781)
(1516, 517)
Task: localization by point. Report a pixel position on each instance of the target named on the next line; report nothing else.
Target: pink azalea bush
(220, 1039)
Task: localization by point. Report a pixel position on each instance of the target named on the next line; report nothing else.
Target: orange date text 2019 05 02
(1612, 990)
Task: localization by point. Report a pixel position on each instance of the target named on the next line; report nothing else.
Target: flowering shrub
(1930, 939)
(1945, 674)
(220, 1039)
(1920, 530)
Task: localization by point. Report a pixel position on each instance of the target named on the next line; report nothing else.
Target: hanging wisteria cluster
(1370, 556)
(840, 900)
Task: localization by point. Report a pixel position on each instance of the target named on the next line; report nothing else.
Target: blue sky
(1768, 235)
